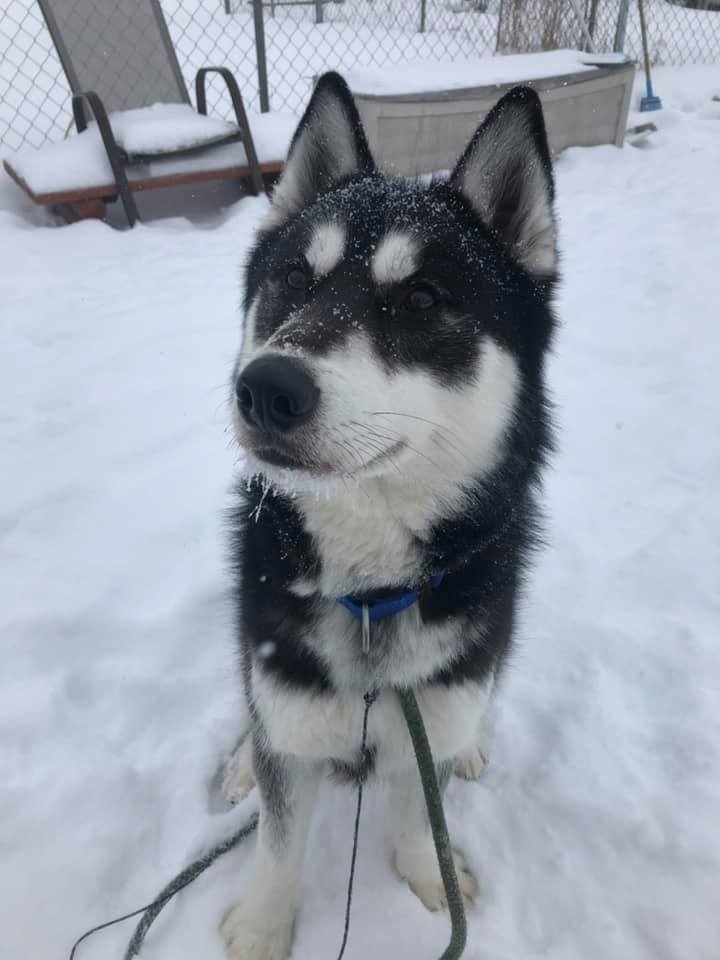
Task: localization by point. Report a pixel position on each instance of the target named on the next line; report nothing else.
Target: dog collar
(368, 610)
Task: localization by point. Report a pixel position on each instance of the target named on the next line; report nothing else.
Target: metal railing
(276, 47)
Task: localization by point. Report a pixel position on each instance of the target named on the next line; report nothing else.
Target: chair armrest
(116, 156)
(97, 109)
(232, 87)
(240, 115)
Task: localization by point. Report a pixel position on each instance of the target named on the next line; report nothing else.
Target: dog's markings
(397, 257)
(248, 337)
(380, 531)
(303, 587)
(272, 773)
(326, 249)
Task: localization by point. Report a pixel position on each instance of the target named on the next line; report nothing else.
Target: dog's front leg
(260, 926)
(415, 856)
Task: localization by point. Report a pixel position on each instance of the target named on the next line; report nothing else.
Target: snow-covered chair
(137, 128)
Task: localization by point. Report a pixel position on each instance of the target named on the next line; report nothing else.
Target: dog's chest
(329, 726)
(365, 539)
(400, 650)
(358, 544)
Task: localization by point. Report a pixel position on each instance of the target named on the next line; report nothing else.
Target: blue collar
(385, 606)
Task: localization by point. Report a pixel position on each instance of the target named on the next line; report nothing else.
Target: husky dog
(390, 397)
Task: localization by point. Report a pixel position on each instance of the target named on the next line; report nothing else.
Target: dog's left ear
(506, 175)
(329, 145)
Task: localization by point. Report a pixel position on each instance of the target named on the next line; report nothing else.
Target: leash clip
(365, 629)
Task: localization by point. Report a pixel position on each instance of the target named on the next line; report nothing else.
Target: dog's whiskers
(372, 443)
(367, 438)
(444, 430)
(439, 433)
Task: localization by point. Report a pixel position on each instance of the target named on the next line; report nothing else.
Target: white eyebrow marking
(396, 258)
(327, 246)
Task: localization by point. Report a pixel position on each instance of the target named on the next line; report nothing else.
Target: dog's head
(395, 325)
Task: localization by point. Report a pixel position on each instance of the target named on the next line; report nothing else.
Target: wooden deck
(80, 204)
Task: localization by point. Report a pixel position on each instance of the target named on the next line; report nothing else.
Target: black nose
(275, 393)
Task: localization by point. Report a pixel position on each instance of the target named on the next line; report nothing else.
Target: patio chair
(124, 74)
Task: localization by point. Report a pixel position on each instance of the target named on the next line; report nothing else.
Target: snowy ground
(595, 831)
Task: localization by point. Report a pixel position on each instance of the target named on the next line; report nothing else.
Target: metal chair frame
(86, 105)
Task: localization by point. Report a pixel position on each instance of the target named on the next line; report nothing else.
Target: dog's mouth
(280, 457)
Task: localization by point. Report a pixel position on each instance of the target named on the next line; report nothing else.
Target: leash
(438, 826)
(369, 698)
(366, 610)
(183, 879)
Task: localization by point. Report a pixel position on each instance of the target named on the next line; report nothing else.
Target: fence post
(318, 11)
(621, 27)
(259, 22)
(592, 20)
(423, 11)
(226, 4)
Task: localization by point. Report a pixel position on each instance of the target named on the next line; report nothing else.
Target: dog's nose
(276, 393)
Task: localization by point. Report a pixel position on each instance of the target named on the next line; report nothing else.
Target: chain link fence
(305, 37)
(679, 31)
(357, 34)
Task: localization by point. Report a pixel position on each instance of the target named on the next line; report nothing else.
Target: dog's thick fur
(421, 313)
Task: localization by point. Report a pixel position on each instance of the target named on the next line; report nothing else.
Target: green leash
(438, 826)
(187, 876)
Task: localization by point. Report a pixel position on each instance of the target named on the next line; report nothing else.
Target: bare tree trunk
(530, 25)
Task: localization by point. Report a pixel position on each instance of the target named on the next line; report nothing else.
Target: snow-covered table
(420, 116)
(74, 175)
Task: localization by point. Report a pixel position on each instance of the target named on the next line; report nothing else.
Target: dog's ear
(506, 175)
(328, 146)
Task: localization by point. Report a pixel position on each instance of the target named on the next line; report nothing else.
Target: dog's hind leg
(472, 762)
(415, 856)
(260, 926)
(238, 778)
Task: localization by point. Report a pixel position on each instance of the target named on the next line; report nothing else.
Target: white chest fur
(368, 535)
(329, 726)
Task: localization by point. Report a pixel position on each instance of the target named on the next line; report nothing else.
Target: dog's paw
(423, 876)
(471, 764)
(248, 938)
(238, 777)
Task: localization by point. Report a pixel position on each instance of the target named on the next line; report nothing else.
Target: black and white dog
(390, 397)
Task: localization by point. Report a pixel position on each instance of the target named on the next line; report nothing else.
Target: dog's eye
(297, 279)
(421, 298)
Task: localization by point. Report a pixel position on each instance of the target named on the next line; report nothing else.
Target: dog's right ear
(329, 145)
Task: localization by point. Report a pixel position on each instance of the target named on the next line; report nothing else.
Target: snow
(166, 126)
(604, 59)
(594, 832)
(418, 77)
(81, 160)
